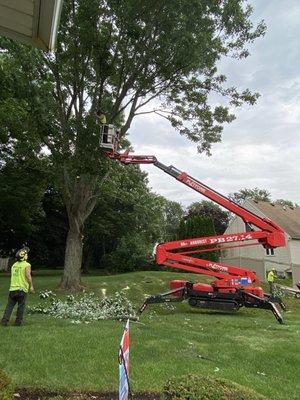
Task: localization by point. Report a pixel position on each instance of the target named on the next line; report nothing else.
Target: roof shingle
(286, 217)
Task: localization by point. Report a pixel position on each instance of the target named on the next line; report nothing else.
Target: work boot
(17, 323)
(3, 323)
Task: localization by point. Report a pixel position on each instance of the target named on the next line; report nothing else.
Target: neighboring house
(286, 260)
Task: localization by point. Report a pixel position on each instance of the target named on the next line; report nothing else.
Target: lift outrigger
(234, 287)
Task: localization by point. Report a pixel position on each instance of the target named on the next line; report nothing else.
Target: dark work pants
(14, 297)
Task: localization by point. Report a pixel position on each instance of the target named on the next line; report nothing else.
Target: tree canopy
(257, 194)
(211, 210)
(285, 202)
(21, 192)
(253, 194)
(197, 226)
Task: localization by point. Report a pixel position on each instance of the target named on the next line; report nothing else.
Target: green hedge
(197, 387)
(6, 387)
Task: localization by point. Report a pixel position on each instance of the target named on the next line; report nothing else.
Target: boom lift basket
(108, 137)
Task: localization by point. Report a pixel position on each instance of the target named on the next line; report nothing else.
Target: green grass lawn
(248, 347)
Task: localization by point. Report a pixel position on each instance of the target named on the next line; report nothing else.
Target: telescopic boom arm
(247, 216)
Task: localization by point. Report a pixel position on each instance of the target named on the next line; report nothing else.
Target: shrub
(197, 387)
(6, 387)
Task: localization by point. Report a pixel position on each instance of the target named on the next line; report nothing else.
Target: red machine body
(233, 286)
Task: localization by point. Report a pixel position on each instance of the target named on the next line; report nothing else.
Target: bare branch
(154, 111)
(47, 142)
(131, 115)
(163, 116)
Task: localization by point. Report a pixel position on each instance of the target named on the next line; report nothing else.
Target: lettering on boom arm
(226, 239)
(217, 267)
(231, 238)
(212, 266)
(195, 185)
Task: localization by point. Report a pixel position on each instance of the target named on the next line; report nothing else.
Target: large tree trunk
(80, 201)
(73, 259)
(77, 197)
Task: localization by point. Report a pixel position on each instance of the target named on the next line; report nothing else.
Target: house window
(270, 252)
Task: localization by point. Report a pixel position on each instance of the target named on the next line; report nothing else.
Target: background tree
(253, 194)
(48, 239)
(209, 209)
(197, 226)
(126, 223)
(21, 191)
(173, 213)
(287, 203)
(118, 57)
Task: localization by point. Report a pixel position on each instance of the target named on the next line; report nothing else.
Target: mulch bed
(40, 394)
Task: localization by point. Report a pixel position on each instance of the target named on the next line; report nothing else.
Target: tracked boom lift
(234, 287)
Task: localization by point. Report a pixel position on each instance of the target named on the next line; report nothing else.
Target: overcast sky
(261, 148)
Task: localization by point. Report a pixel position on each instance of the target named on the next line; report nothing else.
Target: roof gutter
(47, 29)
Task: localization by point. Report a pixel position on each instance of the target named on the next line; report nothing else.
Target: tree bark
(73, 259)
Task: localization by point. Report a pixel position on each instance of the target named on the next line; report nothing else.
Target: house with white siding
(31, 21)
(286, 260)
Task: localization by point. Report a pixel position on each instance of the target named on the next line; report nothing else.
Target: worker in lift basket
(20, 285)
(271, 277)
(101, 117)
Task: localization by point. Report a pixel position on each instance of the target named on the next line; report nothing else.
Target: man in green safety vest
(271, 277)
(20, 285)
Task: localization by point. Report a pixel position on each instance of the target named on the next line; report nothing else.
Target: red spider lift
(234, 287)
